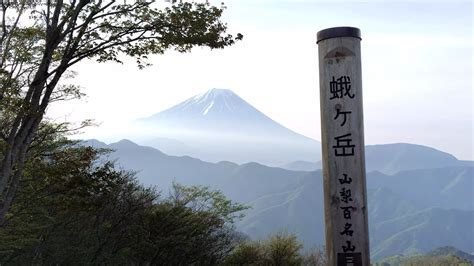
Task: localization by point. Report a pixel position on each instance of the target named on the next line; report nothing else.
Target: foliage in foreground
(279, 249)
(41, 40)
(72, 209)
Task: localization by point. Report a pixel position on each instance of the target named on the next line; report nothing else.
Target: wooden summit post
(342, 137)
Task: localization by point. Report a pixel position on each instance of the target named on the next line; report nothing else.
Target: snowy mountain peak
(213, 103)
(220, 92)
(221, 98)
(221, 112)
(214, 94)
(219, 125)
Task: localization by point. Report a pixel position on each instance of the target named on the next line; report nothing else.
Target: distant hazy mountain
(384, 204)
(423, 231)
(392, 158)
(302, 166)
(447, 187)
(156, 168)
(445, 255)
(169, 146)
(219, 125)
(449, 250)
(400, 206)
(392, 219)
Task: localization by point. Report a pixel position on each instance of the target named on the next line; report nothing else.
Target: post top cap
(338, 32)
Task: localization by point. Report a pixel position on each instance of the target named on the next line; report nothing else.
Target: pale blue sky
(416, 63)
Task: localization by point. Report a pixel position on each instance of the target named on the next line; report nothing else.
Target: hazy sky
(416, 61)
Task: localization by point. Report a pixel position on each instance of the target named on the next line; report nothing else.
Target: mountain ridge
(293, 200)
(393, 157)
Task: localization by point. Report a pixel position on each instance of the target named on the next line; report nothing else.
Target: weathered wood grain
(338, 58)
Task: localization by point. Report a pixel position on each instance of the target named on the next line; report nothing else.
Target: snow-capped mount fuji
(219, 125)
(223, 111)
(213, 104)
